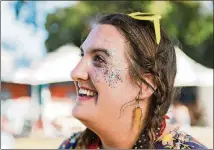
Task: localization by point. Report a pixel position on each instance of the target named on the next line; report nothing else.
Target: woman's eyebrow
(94, 50)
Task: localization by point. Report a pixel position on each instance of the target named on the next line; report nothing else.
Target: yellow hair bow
(151, 17)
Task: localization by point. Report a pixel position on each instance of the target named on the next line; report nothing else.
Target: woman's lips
(84, 98)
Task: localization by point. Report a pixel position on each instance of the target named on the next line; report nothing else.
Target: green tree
(183, 20)
(67, 24)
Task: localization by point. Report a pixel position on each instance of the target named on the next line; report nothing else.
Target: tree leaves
(182, 20)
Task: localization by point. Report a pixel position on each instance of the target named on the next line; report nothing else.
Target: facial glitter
(111, 72)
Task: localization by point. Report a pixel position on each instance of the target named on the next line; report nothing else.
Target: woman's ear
(146, 90)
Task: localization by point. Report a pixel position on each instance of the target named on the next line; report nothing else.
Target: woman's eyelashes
(98, 60)
(81, 54)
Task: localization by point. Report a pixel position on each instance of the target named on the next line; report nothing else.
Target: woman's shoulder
(177, 139)
(71, 142)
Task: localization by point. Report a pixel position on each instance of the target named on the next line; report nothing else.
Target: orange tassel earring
(138, 117)
(137, 114)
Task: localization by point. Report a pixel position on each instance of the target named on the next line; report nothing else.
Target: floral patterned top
(175, 139)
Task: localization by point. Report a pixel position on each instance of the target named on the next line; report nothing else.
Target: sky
(19, 38)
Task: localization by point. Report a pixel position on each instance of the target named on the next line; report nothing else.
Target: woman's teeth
(86, 92)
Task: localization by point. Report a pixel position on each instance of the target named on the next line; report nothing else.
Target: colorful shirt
(176, 139)
(173, 140)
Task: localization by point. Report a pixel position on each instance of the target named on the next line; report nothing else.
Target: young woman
(125, 86)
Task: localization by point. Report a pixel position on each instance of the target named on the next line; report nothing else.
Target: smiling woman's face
(102, 79)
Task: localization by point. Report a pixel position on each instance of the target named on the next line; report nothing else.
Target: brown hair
(145, 56)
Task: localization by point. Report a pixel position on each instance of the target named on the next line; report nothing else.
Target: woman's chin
(81, 113)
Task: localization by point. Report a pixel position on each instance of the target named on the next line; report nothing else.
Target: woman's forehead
(105, 36)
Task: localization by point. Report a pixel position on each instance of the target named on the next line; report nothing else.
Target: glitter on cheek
(111, 76)
(109, 73)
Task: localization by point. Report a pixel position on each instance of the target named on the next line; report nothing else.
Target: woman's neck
(117, 136)
(119, 139)
(122, 137)
(117, 142)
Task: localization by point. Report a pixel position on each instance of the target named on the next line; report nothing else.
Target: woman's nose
(80, 71)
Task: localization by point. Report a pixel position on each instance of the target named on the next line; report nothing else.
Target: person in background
(182, 116)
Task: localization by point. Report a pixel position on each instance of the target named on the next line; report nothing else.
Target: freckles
(96, 76)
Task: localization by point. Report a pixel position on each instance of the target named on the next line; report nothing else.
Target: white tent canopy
(191, 73)
(56, 66)
(22, 76)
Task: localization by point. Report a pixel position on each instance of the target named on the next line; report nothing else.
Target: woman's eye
(98, 60)
(81, 54)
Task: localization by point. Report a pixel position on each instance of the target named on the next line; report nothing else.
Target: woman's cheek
(112, 76)
(95, 76)
(107, 74)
